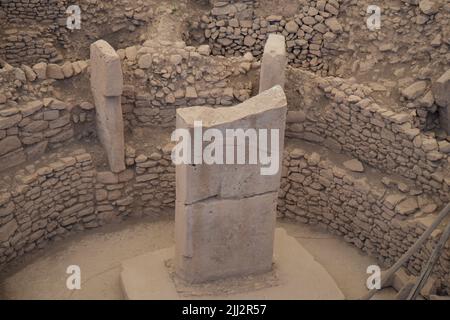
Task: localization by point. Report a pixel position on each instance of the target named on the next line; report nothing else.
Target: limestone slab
(274, 62)
(204, 181)
(222, 238)
(107, 86)
(106, 69)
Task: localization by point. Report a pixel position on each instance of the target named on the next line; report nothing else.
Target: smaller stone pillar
(274, 61)
(441, 92)
(107, 86)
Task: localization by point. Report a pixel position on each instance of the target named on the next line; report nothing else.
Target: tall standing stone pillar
(274, 61)
(225, 213)
(107, 86)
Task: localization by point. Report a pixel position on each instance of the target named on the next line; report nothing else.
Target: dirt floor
(42, 275)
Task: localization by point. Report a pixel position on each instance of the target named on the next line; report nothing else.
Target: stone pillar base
(295, 276)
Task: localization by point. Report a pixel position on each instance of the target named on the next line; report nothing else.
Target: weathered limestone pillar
(441, 92)
(225, 213)
(274, 61)
(107, 86)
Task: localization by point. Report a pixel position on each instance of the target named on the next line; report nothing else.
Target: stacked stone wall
(70, 194)
(47, 37)
(234, 29)
(343, 117)
(167, 76)
(29, 130)
(18, 11)
(381, 221)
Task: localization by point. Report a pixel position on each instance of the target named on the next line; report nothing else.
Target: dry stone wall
(18, 11)
(69, 194)
(29, 130)
(19, 85)
(159, 78)
(46, 204)
(154, 186)
(221, 3)
(28, 47)
(343, 117)
(381, 221)
(233, 29)
(42, 41)
(47, 38)
(114, 15)
(167, 75)
(54, 11)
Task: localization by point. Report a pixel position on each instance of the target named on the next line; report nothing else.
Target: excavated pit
(367, 145)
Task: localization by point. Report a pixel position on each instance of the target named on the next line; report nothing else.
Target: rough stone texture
(354, 165)
(235, 28)
(399, 137)
(415, 90)
(158, 88)
(205, 202)
(350, 121)
(274, 63)
(35, 127)
(46, 204)
(313, 190)
(47, 33)
(68, 194)
(430, 6)
(441, 92)
(31, 46)
(318, 191)
(19, 11)
(107, 86)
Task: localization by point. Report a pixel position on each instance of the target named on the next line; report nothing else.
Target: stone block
(9, 144)
(226, 237)
(54, 71)
(8, 122)
(41, 70)
(7, 230)
(266, 111)
(107, 177)
(106, 70)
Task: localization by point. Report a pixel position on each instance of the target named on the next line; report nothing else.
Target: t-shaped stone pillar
(225, 213)
(274, 61)
(107, 86)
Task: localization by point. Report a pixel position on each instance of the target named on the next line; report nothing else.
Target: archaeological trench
(86, 116)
